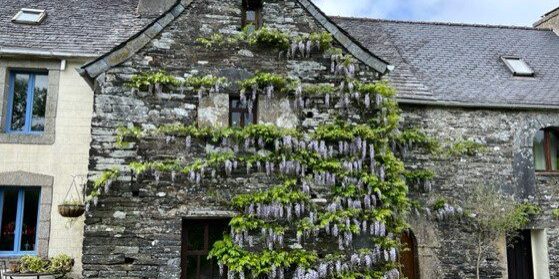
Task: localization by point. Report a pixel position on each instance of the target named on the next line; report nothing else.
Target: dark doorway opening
(519, 256)
(408, 256)
(198, 237)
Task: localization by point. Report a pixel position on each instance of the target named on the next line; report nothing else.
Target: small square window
(517, 66)
(242, 112)
(546, 150)
(27, 100)
(29, 16)
(252, 13)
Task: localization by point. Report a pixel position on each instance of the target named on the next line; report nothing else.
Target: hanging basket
(73, 208)
(71, 211)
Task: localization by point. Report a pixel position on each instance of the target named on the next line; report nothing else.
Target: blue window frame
(27, 102)
(19, 220)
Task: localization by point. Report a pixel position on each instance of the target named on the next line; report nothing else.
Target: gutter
(448, 104)
(7, 51)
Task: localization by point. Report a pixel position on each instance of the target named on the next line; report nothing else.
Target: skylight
(518, 67)
(29, 16)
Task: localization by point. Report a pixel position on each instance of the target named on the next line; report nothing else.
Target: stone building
(494, 85)
(44, 139)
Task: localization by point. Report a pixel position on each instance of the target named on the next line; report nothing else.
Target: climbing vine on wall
(341, 198)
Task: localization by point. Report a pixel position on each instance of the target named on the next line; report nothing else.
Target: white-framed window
(29, 16)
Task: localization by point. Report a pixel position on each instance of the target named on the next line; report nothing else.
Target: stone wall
(134, 232)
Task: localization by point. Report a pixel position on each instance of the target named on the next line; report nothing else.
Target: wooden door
(198, 237)
(408, 256)
(519, 256)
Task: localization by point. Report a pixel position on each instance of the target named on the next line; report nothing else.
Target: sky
(500, 12)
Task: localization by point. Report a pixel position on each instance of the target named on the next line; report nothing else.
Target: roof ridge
(444, 23)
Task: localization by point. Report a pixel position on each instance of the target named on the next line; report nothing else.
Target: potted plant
(71, 208)
(36, 266)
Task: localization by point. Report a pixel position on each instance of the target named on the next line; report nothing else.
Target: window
(27, 102)
(252, 13)
(198, 237)
(241, 115)
(19, 213)
(29, 16)
(545, 149)
(517, 66)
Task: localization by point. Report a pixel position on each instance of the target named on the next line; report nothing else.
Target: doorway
(197, 239)
(519, 256)
(408, 256)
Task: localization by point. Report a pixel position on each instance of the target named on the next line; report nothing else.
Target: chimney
(550, 20)
(154, 7)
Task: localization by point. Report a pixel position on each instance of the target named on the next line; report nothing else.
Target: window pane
(539, 154)
(39, 103)
(19, 99)
(195, 240)
(235, 119)
(192, 267)
(251, 16)
(29, 16)
(553, 148)
(208, 269)
(30, 214)
(249, 118)
(9, 211)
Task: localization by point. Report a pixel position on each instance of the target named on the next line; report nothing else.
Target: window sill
(31, 138)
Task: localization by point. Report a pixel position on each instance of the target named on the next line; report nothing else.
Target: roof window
(518, 67)
(29, 16)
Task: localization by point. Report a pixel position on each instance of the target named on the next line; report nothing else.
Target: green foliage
(32, 264)
(143, 80)
(217, 40)
(263, 79)
(467, 147)
(318, 89)
(346, 132)
(239, 259)
(439, 204)
(60, 264)
(324, 39)
(382, 88)
(282, 194)
(208, 81)
(555, 213)
(495, 214)
(416, 137)
(106, 177)
(419, 175)
(124, 132)
(267, 38)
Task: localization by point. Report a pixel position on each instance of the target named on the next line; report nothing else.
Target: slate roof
(458, 64)
(85, 27)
